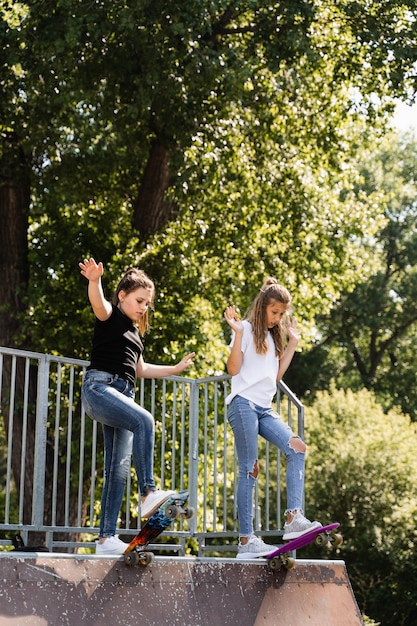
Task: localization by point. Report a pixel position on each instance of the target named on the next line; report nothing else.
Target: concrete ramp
(51, 589)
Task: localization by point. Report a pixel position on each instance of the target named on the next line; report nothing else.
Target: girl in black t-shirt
(108, 394)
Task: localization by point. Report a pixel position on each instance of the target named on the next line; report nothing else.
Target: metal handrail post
(193, 454)
(38, 496)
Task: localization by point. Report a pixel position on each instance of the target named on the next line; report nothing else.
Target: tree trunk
(151, 210)
(14, 211)
(14, 272)
(15, 176)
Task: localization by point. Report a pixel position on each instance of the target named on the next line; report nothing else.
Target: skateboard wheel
(146, 558)
(337, 539)
(189, 513)
(132, 558)
(288, 562)
(274, 564)
(322, 540)
(172, 511)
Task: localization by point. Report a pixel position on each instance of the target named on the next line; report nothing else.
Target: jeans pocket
(92, 391)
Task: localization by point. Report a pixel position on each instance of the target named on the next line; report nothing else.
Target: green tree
(367, 339)
(361, 472)
(106, 116)
(109, 100)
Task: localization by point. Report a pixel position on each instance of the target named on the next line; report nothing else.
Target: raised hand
(292, 330)
(187, 361)
(90, 269)
(232, 318)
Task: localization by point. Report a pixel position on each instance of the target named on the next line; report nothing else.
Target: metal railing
(51, 465)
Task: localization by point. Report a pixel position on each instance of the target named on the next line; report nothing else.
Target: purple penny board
(304, 540)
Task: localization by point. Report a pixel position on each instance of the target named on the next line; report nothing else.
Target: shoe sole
(254, 555)
(156, 507)
(295, 535)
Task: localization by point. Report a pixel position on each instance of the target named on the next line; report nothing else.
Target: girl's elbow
(232, 369)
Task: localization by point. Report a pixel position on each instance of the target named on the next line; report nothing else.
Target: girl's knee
(297, 444)
(249, 472)
(254, 473)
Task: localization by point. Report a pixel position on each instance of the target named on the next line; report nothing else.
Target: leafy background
(213, 143)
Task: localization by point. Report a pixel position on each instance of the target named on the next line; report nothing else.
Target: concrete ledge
(41, 589)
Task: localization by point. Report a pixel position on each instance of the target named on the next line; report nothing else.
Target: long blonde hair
(134, 279)
(270, 292)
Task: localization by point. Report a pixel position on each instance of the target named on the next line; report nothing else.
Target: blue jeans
(248, 420)
(127, 428)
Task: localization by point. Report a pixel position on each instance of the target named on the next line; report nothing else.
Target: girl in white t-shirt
(258, 360)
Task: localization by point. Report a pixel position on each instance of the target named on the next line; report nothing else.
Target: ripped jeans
(127, 428)
(248, 420)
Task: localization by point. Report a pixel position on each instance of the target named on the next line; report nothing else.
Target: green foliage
(250, 217)
(261, 108)
(264, 110)
(360, 472)
(368, 338)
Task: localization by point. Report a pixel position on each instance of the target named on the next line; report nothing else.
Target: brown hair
(135, 279)
(271, 291)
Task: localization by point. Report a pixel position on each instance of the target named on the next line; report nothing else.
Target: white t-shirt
(257, 379)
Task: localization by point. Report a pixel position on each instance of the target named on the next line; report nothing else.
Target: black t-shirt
(117, 346)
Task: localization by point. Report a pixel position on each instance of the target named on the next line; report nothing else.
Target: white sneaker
(111, 545)
(153, 501)
(254, 549)
(299, 526)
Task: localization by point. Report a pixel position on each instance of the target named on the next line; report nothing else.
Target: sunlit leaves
(361, 466)
(261, 108)
(374, 323)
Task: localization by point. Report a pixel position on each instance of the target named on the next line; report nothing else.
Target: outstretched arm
(150, 370)
(93, 272)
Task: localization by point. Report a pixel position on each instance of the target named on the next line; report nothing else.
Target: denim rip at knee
(249, 420)
(127, 428)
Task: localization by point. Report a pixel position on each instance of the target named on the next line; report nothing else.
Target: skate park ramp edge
(53, 589)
